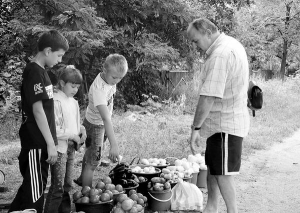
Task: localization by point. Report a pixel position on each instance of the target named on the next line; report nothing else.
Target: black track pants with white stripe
(34, 169)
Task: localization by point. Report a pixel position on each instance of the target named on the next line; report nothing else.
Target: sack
(25, 211)
(255, 97)
(186, 196)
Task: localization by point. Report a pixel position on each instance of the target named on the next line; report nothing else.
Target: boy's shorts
(223, 154)
(93, 142)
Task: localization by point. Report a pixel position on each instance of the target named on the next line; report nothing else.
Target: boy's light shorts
(93, 142)
(223, 154)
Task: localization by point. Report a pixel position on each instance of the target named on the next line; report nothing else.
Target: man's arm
(204, 106)
(114, 148)
(41, 120)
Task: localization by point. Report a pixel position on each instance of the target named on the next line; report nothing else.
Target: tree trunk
(283, 60)
(285, 39)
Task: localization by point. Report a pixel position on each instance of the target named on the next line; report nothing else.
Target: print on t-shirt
(37, 89)
(49, 90)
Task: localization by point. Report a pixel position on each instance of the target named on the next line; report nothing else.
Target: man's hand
(195, 141)
(52, 154)
(114, 154)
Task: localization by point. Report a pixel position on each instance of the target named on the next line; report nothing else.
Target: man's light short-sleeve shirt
(225, 75)
(100, 93)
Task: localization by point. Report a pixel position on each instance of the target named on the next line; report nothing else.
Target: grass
(166, 133)
(279, 117)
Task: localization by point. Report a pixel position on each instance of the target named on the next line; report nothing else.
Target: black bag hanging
(255, 97)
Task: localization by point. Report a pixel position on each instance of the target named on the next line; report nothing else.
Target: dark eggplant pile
(121, 174)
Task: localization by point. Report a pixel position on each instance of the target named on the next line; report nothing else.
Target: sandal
(77, 182)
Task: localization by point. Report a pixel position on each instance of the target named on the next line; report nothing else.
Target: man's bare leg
(213, 194)
(228, 192)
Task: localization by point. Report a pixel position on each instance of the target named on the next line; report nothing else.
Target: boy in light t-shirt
(98, 117)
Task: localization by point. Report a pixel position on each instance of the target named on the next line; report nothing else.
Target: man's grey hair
(203, 24)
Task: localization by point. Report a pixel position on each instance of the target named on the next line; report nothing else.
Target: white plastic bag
(25, 211)
(186, 196)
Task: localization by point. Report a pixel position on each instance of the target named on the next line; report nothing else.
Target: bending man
(221, 115)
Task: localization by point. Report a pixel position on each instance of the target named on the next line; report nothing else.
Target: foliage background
(149, 33)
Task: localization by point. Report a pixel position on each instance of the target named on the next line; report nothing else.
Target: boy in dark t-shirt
(37, 131)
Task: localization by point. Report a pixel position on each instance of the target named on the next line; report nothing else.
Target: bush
(119, 101)
(135, 84)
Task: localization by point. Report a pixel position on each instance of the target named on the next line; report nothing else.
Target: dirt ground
(269, 180)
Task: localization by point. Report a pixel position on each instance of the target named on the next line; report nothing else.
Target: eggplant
(123, 182)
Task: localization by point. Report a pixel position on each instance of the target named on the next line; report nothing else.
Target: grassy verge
(165, 133)
(279, 117)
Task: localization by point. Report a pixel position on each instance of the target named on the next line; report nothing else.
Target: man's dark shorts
(223, 154)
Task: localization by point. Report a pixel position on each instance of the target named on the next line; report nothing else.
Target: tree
(285, 23)
(270, 29)
(151, 34)
(78, 22)
(11, 54)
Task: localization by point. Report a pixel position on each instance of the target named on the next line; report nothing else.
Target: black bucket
(130, 188)
(104, 207)
(146, 175)
(142, 188)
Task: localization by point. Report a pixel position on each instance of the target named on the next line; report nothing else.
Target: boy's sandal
(77, 182)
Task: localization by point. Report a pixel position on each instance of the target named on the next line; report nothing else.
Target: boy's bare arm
(41, 120)
(114, 148)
